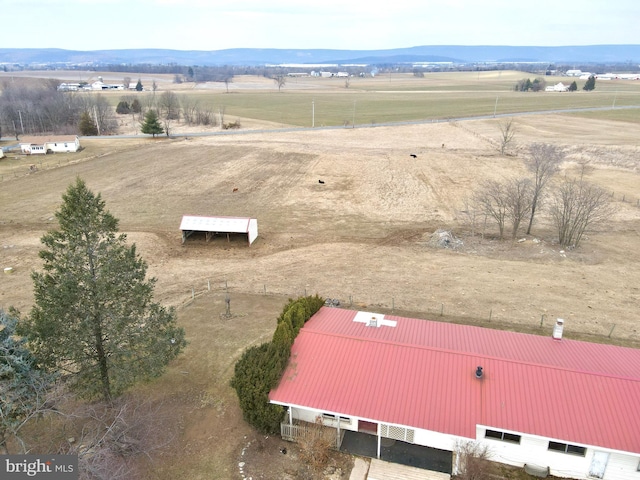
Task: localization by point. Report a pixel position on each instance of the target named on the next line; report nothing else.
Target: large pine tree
(94, 317)
(151, 124)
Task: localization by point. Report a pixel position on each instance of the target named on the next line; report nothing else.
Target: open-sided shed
(211, 226)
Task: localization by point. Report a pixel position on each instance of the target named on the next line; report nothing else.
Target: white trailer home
(44, 145)
(544, 403)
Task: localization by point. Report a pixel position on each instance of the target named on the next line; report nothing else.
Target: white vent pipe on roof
(557, 329)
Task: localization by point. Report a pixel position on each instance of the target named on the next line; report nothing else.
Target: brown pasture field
(362, 237)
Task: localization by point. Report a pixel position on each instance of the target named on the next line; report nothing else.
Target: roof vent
(479, 372)
(557, 329)
(373, 322)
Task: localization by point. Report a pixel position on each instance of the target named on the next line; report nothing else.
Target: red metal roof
(421, 374)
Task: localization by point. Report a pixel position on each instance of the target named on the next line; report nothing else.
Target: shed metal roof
(215, 224)
(421, 374)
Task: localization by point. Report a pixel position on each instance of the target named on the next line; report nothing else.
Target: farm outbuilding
(544, 403)
(212, 226)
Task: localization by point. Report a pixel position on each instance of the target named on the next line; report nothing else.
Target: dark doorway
(367, 427)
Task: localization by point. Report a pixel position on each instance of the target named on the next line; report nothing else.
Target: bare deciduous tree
(544, 162)
(114, 437)
(519, 198)
(507, 134)
(505, 201)
(490, 199)
(473, 461)
(280, 80)
(576, 207)
(126, 82)
(316, 445)
(170, 109)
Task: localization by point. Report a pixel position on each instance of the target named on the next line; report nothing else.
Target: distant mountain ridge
(610, 54)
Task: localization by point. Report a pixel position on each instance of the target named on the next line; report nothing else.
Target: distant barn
(212, 226)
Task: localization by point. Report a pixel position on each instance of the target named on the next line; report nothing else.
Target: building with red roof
(566, 406)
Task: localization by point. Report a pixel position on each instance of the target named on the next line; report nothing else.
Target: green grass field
(406, 98)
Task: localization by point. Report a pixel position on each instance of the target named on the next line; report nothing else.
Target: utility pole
(21, 124)
(354, 115)
(495, 108)
(313, 113)
(95, 115)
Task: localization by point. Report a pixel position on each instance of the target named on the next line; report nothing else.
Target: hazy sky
(335, 24)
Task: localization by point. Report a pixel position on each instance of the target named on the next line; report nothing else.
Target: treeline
(39, 108)
(166, 108)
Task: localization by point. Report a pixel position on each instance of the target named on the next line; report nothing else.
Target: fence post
(610, 332)
(193, 293)
(265, 288)
(490, 313)
(208, 284)
(441, 309)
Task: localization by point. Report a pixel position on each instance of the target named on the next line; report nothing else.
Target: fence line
(536, 322)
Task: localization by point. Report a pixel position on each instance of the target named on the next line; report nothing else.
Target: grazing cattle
(321, 181)
(414, 155)
(235, 189)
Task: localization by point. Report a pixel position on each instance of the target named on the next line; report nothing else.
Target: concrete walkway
(360, 469)
(380, 470)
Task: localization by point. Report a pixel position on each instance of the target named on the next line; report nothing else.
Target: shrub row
(260, 367)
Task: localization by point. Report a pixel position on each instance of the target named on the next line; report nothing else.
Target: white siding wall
(622, 467)
(253, 230)
(534, 451)
(436, 440)
(69, 146)
(311, 415)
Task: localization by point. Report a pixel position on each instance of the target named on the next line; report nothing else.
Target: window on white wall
(329, 416)
(567, 448)
(504, 436)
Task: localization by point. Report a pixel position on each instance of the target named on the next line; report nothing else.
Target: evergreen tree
(87, 126)
(139, 86)
(93, 316)
(573, 87)
(22, 383)
(590, 84)
(151, 124)
(260, 367)
(123, 107)
(136, 106)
